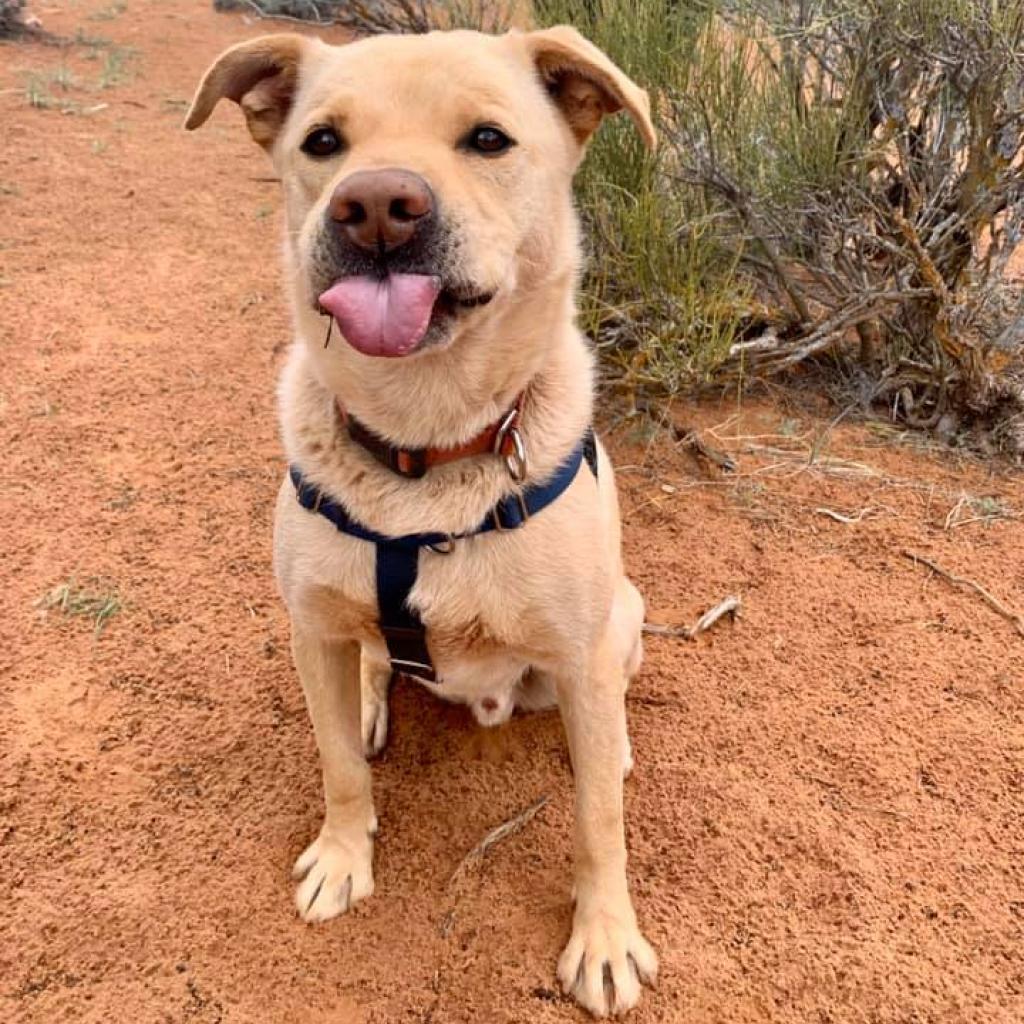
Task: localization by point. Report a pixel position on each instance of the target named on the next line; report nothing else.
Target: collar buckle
(408, 462)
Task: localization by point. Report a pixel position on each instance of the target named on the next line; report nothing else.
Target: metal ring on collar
(515, 460)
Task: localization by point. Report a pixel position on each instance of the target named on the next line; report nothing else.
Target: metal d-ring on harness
(398, 557)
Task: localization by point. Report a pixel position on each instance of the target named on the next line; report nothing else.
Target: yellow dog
(455, 519)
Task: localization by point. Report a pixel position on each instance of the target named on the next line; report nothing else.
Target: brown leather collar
(500, 438)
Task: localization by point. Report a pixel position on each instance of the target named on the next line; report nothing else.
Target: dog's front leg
(607, 957)
(336, 870)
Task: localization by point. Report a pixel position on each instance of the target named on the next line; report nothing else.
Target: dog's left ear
(261, 76)
(585, 84)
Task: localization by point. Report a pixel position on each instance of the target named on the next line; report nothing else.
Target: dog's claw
(608, 983)
(316, 892)
(343, 876)
(346, 894)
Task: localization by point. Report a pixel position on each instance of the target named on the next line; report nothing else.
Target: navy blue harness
(398, 557)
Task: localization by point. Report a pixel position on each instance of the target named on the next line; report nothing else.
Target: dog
(448, 513)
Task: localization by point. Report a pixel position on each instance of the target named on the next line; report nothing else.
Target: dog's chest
(475, 602)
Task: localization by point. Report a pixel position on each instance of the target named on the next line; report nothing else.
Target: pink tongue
(383, 317)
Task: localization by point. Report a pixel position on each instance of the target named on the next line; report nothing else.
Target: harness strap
(397, 558)
(590, 450)
(399, 622)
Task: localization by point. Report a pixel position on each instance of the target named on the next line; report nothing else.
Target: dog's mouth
(392, 315)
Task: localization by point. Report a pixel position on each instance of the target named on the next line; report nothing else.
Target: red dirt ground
(825, 822)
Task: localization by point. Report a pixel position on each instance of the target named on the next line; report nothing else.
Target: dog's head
(427, 178)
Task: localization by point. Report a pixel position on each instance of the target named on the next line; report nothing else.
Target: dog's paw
(606, 961)
(334, 874)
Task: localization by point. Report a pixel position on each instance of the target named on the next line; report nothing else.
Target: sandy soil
(825, 821)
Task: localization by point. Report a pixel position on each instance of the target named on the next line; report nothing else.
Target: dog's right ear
(261, 76)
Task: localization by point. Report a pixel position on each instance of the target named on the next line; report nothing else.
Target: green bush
(662, 294)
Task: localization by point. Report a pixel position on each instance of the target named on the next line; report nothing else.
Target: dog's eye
(321, 142)
(488, 140)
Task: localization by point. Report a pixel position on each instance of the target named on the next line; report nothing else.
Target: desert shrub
(840, 182)
(662, 292)
(374, 16)
(11, 17)
(866, 158)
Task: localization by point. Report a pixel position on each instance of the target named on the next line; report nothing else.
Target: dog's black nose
(381, 210)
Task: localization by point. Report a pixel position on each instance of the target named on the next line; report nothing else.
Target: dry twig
(992, 511)
(954, 513)
(993, 602)
(840, 518)
(509, 828)
(727, 606)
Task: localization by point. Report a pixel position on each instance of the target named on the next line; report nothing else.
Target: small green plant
(40, 86)
(110, 12)
(989, 506)
(116, 66)
(125, 500)
(94, 43)
(98, 147)
(98, 602)
(263, 211)
(37, 92)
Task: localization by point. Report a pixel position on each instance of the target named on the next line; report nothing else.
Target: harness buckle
(317, 502)
(524, 513)
(515, 458)
(414, 668)
(444, 547)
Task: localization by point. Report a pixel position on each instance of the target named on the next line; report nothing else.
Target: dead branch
(767, 342)
(727, 606)
(834, 328)
(509, 828)
(993, 602)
